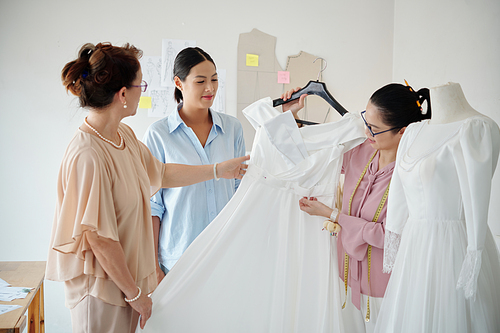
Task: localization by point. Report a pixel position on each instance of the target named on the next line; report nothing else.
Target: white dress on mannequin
(444, 260)
(263, 265)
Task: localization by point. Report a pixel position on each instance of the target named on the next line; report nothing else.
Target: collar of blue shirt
(175, 120)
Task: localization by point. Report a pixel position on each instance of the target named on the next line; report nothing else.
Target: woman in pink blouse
(359, 225)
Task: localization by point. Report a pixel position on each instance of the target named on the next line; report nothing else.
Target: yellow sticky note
(145, 102)
(252, 60)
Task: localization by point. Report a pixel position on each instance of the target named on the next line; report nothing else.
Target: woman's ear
(178, 83)
(401, 131)
(121, 95)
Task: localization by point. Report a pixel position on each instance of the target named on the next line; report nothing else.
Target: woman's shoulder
(82, 151)
(227, 121)
(127, 132)
(360, 150)
(160, 129)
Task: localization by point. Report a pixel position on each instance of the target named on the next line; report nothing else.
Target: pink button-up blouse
(358, 231)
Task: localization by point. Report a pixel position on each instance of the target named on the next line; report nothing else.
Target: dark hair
(185, 60)
(400, 105)
(100, 71)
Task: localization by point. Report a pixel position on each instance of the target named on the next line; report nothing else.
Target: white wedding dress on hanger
(444, 260)
(263, 265)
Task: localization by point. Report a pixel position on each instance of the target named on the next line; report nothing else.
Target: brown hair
(100, 71)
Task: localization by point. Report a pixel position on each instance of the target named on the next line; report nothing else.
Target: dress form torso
(449, 104)
(449, 108)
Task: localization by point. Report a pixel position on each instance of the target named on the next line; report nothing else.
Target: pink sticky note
(283, 77)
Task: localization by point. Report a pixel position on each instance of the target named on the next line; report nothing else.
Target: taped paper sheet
(256, 82)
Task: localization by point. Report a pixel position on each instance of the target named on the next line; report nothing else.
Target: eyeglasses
(143, 86)
(370, 128)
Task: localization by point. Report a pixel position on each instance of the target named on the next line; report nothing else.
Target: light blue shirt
(184, 212)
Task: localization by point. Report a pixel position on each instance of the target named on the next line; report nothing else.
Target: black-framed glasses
(143, 86)
(370, 128)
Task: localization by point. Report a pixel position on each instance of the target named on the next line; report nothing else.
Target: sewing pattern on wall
(304, 67)
(260, 75)
(257, 74)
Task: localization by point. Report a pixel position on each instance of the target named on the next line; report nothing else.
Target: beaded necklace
(109, 141)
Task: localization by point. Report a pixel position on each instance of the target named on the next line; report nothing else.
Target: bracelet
(330, 225)
(215, 172)
(334, 215)
(135, 298)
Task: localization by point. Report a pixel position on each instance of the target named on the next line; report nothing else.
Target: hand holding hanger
(313, 88)
(293, 105)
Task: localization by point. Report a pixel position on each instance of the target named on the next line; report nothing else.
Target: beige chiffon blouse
(106, 190)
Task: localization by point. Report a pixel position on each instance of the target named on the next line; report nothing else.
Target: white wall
(37, 118)
(436, 42)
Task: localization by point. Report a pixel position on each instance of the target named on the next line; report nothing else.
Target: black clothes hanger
(314, 88)
(305, 122)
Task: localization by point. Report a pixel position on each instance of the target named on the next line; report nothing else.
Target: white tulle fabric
(263, 265)
(445, 269)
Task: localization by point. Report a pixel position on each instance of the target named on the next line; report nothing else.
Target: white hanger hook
(321, 70)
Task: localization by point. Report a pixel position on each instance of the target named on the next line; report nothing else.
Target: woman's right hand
(143, 306)
(295, 105)
(313, 207)
(233, 168)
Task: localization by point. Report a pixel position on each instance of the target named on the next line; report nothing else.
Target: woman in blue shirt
(194, 135)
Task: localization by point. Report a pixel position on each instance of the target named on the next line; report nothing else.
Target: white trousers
(354, 319)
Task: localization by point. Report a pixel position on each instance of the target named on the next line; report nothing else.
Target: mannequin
(449, 104)
(449, 107)
(438, 245)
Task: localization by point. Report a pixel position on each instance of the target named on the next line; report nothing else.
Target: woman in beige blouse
(102, 238)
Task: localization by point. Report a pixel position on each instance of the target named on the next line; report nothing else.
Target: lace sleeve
(469, 273)
(391, 246)
(475, 159)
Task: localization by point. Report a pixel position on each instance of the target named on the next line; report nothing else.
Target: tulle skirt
(422, 296)
(266, 268)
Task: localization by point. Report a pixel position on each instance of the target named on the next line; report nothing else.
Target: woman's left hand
(313, 207)
(234, 168)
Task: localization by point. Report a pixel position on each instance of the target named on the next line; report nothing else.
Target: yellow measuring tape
(369, 254)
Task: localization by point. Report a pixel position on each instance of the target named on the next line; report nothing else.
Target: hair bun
(86, 51)
(100, 71)
(102, 77)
